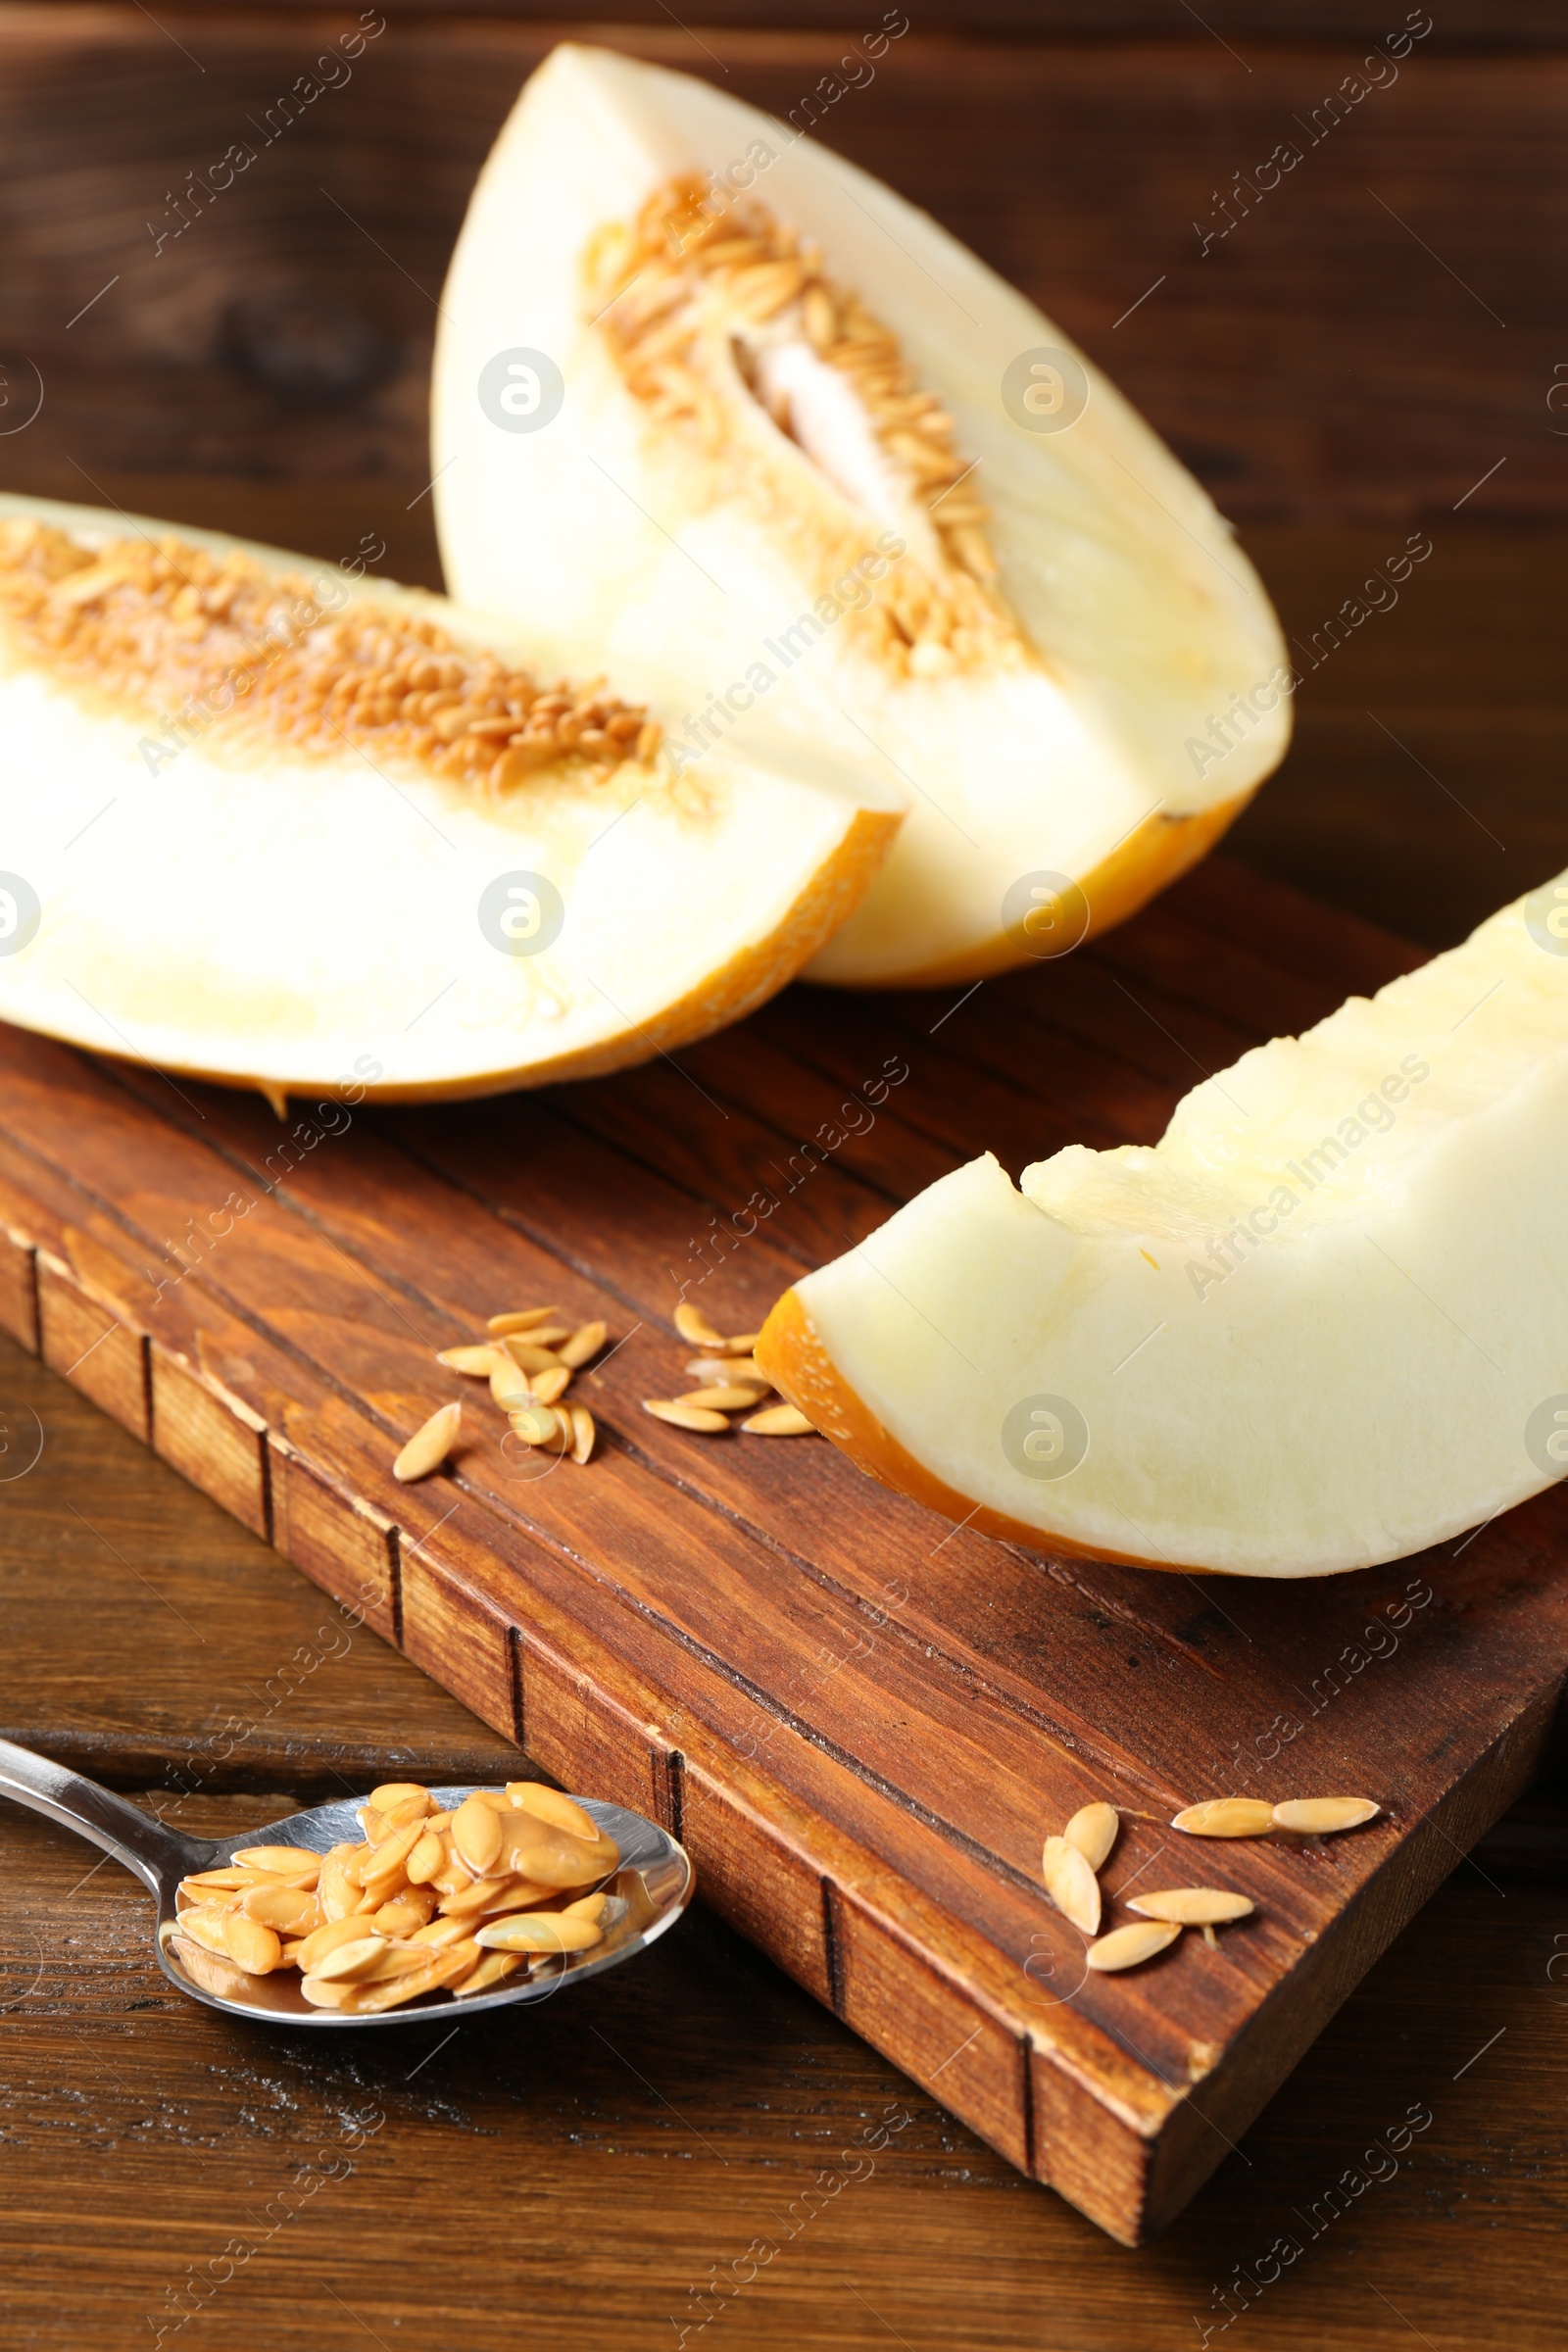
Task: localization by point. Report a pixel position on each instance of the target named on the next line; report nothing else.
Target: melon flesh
(244, 912)
(1323, 1323)
(1112, 685)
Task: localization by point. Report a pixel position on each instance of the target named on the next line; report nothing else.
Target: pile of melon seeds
(1072, 1862)
(430, 1900)
(529, 1357)
(730, 1381)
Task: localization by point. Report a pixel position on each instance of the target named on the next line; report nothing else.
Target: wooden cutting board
(860, 1722)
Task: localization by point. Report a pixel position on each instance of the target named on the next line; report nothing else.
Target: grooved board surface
(860, 1722)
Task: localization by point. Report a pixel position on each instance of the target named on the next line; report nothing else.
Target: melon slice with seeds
(270, 825)
(1321, 1324)
(709, 398)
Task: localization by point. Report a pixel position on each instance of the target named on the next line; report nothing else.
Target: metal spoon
(648, 1893)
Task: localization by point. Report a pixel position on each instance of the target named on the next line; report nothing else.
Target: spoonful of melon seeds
(428, 1901)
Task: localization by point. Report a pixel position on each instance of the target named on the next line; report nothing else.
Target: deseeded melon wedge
(718, 405)
(270, 825)
(1321, 1324)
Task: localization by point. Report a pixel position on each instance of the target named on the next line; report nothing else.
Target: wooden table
(680, 2119)
(697, 2131)
(599, 2169)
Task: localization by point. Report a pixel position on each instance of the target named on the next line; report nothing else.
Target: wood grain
(890, 1711)
(1373, 337)
(1521, 25)
(1318, 375)
(217, 1669)
(696, 2104)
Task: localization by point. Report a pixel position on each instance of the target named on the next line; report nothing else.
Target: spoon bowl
(648, 1892)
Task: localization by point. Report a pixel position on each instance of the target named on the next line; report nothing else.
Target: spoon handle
(157, 1854)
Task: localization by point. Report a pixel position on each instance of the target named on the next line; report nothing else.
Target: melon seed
(476, 1835)
(1192, 1906)
(684, 1416)
(779, 1421)
(474, 1363)
(693, 1325)
(584, 1343)
(1071, 1885)
(1093, 1830)
(1128, 1947)
(430, 1445)
(1321, 1816)
(1226, 1817)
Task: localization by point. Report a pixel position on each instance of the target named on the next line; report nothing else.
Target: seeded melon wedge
(710, 400)
(1321, 1324)
(272, 825)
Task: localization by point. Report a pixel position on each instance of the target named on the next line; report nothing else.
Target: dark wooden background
(1382, 332)
(1340, 371)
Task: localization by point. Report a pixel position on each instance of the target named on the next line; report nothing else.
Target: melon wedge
(1321, 1324)
(272, 825)
(718, 405)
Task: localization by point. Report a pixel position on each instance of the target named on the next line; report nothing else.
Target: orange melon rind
(792, 1355)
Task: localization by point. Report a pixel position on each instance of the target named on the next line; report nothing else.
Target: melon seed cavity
(688, 300)
(265, 657)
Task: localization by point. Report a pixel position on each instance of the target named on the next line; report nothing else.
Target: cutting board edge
(1125, 2148)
